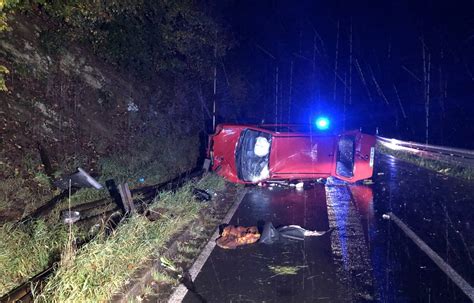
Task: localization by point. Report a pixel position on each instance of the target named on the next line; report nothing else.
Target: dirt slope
(82, 112)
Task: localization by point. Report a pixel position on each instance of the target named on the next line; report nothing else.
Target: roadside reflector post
(445, 267)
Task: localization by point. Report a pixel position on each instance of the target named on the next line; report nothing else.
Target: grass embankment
(27, 249)
(152, 160)
(438, 166)
(104, 265)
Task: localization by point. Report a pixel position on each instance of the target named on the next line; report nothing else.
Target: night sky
(404, 53)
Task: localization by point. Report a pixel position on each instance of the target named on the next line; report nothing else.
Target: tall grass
(27, 249)
(104, 265)
(211, 181)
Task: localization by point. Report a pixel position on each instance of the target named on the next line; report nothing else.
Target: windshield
(253, 152)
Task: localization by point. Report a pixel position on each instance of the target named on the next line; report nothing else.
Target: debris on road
(233, 236)
(285, 270)
(271, 234)
(299, 186)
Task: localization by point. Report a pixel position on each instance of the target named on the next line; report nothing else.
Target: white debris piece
(299, 186)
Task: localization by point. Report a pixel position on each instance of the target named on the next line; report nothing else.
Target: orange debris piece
(233, 236)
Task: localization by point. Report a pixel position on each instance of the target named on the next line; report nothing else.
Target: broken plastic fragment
(79, 179)
(70, 217)
(299, 186)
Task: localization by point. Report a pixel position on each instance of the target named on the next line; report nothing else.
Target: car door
(354, 156)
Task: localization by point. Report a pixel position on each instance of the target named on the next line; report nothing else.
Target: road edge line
(180, 292)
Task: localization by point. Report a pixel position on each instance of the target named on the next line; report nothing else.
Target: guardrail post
(126, 197)
(116, 196)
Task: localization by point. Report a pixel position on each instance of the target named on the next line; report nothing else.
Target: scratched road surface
(366, 258)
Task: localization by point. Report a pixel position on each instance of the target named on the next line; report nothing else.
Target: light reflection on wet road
(437, 208)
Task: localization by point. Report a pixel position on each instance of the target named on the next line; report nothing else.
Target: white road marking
(181, 291)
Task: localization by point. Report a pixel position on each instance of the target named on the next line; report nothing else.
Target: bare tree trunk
(344, 105)
(301, 39)
(428, 99)
(350, 65)
(276, 95)
(442, 93)
(290, 95)
(281, 100)
(214, 91)
(426, 86)
(335, 63)
(313, 82)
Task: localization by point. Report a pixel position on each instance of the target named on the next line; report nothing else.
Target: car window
(345, 156)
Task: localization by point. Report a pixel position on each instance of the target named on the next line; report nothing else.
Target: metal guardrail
(23, 292)
(456, 156)
(445, 267)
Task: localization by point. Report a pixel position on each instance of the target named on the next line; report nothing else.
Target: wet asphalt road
(365, 258)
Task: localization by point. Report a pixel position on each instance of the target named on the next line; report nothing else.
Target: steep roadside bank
(66, 103)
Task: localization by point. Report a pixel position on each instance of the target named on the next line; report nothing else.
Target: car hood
(224, 145)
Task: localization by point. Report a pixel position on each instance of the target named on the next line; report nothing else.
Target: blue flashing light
(322, 123)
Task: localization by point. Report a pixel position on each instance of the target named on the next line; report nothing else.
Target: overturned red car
(253, 154)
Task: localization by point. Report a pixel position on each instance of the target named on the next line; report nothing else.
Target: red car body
(289, 153)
